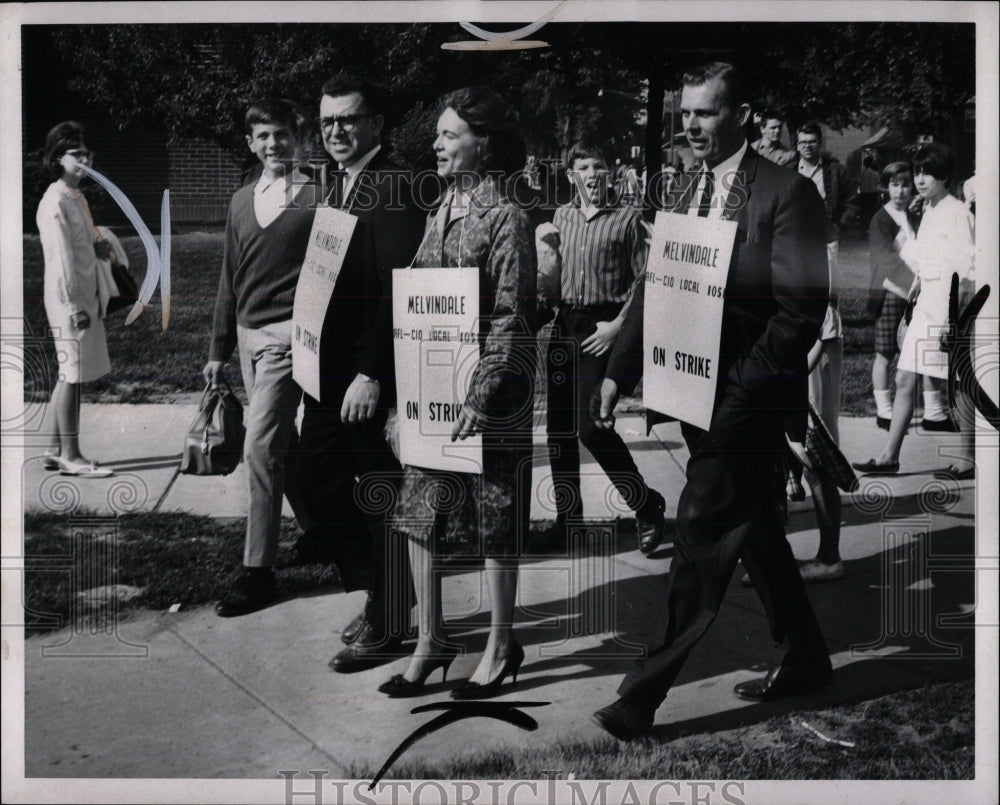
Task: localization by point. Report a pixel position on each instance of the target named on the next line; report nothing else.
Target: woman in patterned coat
(478, 145)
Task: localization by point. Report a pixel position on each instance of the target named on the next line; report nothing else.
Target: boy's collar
(588, 209)
(264, 183)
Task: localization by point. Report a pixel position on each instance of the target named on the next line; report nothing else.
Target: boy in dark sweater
(267, 232)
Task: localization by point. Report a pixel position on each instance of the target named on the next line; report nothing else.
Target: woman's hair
(61, 138)
(894, 170)
(935, 159)
(488, 115)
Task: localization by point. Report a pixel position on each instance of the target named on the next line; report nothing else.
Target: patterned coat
(499, 240)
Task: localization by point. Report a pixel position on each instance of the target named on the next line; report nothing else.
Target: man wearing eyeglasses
(344, 456)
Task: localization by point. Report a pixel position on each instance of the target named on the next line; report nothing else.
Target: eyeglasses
(808, 142)
(346, 122)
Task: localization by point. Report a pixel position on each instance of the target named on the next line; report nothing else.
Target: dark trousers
(348, 477)
(572, 379)
(727, 512)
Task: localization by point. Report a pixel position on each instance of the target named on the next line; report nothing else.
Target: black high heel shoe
(399, 687)
(473, 690)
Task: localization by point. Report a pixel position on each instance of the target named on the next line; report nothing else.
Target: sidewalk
(193, 695)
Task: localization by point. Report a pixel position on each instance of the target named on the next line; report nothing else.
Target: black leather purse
(214, 443)
(128, 290)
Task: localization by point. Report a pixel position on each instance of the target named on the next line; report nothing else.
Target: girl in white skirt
(945, 245)
(73, 305)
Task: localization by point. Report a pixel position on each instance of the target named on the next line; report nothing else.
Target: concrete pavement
(189, 694)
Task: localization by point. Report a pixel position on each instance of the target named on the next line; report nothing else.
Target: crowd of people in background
(579, 268)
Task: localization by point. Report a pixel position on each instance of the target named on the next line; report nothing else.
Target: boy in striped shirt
(602, 251)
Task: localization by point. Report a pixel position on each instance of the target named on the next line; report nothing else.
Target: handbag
(128, 289)
(107, 248)
(214, 443)
(825, 456)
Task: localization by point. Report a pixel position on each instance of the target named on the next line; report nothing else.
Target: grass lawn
(148, 365)
(162, 559)
(165, 558)
(924, 734)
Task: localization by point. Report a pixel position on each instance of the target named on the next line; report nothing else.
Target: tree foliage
(197, 80)
(910, 77)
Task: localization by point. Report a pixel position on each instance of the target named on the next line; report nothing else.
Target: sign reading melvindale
(682, 323)
(328, 242)
(435, 334)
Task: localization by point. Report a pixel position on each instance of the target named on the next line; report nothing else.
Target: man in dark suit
(775, 299)
(346, 466)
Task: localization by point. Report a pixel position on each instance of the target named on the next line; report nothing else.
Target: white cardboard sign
(682, 323)
(435, 313)
(331, 235)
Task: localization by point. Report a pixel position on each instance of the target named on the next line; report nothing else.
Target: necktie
(705, 203)
(336, 197)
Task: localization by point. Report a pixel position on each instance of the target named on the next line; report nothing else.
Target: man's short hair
(348, 84)
(275, 111)
(770, 114)
(935, 159)
(895, 170)
(734, 90)
(585, 149)
(812, 127)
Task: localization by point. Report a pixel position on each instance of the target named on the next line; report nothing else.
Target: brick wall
(203, 178)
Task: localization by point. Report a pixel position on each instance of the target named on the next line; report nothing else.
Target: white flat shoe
(83, 469)
(817, 571)
(50, 461)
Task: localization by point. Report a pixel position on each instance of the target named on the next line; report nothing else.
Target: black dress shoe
(649, 522)
(353, 629)
(624, 720)
(370, 649)
(254, 590)
(786, 680)
(938, 425)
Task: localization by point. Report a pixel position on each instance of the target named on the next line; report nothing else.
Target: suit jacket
(776, 294)
(357, 331)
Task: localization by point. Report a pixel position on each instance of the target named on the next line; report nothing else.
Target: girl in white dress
(945, 245)
(73, 306)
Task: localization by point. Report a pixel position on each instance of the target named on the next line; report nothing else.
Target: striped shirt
(602, 255)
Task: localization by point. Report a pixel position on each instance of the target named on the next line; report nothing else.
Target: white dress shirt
(720, 190)
(271, 197)
(352, 171)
